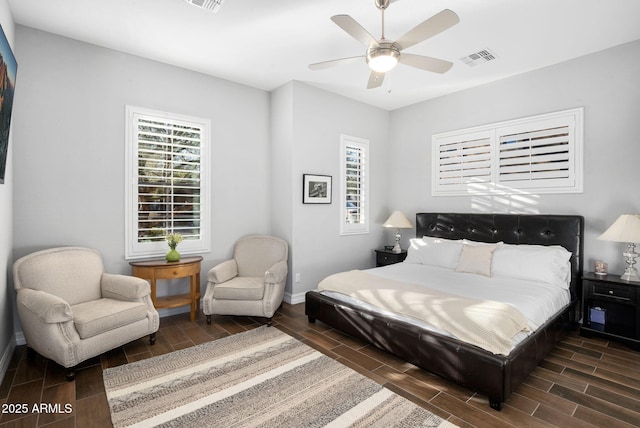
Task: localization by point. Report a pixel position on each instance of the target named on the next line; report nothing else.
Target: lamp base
(630, 273)
(396, 248)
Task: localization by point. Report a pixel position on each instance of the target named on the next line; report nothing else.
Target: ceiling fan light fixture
(384, 58)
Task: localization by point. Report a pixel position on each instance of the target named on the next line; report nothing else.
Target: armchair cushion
(223, 272)
(98, 316)
(50, 309)
(123, 287)
(240, 288)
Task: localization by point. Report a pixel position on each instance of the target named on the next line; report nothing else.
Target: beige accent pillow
(476, 259)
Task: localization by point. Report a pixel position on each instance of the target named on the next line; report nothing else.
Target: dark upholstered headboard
(564, 230)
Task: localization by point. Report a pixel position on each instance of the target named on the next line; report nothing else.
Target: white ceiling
(265, 44)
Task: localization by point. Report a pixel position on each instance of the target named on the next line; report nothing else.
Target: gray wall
(306, 124)
(6, 227)
(605, 84)
(70, 146)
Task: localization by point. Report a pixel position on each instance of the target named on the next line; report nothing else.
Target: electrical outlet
(297, 277)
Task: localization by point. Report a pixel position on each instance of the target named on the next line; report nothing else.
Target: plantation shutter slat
(354, 168)
(465, 161)
(535, 155)
(168, 179)
(354, 185)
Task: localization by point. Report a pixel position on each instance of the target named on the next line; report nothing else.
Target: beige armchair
(252, 283)
(71, 310)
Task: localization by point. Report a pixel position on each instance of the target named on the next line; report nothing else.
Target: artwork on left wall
(8, 68)
(316, 189)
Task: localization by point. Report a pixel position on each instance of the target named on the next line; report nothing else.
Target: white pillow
(549, 264)
(434, 252)
(476, 259)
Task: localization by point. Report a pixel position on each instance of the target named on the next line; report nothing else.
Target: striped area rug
(260, 378)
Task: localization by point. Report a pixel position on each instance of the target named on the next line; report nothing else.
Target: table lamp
(398, 220)
(626, 229)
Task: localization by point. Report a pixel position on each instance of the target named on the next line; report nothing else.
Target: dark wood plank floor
(583, 382)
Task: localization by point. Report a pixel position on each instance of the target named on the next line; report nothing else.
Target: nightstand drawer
(615, 292)
(384, 258)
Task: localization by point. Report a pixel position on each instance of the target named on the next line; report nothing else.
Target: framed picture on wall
(8, 68)
(316, 189)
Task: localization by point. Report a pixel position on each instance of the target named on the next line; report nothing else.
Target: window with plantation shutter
(167, 184)
(354, 188)
(540, 154)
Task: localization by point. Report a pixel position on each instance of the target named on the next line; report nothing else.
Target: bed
(490, 374)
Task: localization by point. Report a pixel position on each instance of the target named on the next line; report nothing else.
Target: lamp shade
(398, 220)
(625, 229)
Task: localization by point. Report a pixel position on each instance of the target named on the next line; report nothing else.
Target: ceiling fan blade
(429, 28)
(354, 29)
(334, 62)
(427, 63)
(375, 80)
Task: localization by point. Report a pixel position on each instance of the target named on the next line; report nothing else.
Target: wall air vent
(479, 57)
(210, 5)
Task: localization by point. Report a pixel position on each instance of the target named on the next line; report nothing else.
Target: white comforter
(536, 301)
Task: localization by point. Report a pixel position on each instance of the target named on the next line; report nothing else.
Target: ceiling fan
(383, 55)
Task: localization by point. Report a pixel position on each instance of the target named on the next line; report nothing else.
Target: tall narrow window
(354, 185)
(166, 182)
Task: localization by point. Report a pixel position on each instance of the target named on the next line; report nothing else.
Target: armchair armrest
(124, 287)
(276, 273)
(48, 308)
(223, 272)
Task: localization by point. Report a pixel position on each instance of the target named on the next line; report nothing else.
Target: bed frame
(495, 376)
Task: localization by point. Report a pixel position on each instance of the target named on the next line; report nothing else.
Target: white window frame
(349, 228)
(133, 248)
(555, 166)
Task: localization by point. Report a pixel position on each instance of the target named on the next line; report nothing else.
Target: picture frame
(316, 189)
(8, 68)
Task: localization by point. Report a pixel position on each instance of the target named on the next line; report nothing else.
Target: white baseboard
(20, 339)
(294, 299)
(6, 357)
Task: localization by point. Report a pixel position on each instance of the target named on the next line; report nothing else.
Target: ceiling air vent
(479, 57)
(210, 5)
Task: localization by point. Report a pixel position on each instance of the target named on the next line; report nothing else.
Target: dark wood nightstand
(387, 257)
(611, 309)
